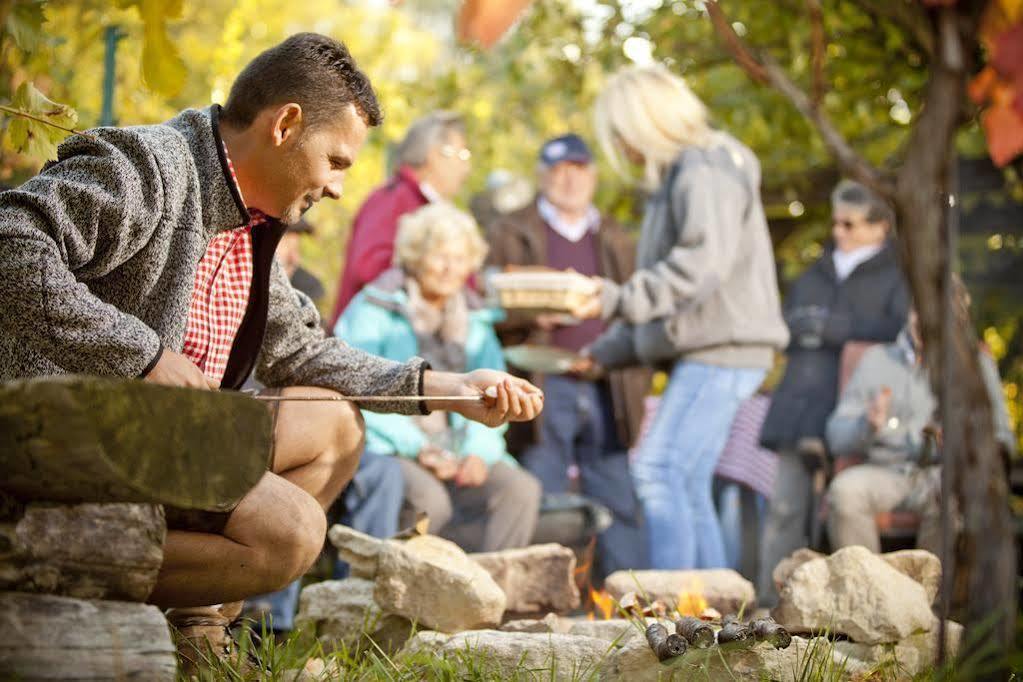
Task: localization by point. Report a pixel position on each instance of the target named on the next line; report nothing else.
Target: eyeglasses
(450, 151)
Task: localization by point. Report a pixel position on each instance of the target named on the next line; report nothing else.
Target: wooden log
(89, 551)
(90, 439)
(43, 637)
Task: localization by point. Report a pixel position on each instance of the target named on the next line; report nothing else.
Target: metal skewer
(489, 393)
(373, 398)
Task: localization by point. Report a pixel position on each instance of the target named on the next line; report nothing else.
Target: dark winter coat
(871, 304)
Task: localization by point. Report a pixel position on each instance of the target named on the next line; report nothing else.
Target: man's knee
(296, 530)
(848, 492)
(348, 428)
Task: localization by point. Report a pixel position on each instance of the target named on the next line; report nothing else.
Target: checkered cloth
(220, 296)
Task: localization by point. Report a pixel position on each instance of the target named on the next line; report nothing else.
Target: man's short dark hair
(312, 70)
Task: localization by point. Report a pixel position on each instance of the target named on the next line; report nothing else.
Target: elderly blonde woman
(457, 471)
(703, 302)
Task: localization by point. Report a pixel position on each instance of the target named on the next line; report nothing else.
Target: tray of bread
(552, 290)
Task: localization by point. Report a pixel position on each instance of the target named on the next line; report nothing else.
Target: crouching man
(148, 252)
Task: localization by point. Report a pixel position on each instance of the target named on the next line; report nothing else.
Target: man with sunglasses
(854, 292)
(433, 163)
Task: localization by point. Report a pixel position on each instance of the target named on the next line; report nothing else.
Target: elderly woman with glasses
(457, 471)
(854, 292)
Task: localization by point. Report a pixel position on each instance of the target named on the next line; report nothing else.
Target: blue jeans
(741, 512)
(371, 504)
(676, 461)
(579, 428)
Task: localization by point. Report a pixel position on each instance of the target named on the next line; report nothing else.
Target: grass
(282, 658)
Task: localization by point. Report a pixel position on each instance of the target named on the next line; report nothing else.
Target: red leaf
(485, 21)
(1007, 57)
(980, 85)
(1003, 128)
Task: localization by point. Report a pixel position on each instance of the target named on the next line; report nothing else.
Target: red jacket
(371, 246)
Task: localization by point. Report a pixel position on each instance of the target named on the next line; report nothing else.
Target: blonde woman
(703, 302)
(457, 471)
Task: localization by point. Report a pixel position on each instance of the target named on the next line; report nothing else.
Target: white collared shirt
(847, 261)
(432, 195)
(572, 231)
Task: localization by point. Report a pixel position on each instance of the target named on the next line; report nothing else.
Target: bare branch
(817, 49)
(733, 43)
(766, 71)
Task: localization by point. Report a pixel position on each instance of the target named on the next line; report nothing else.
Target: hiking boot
(202, 635)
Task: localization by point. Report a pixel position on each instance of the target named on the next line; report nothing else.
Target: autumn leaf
(24, 23)
(485, 21)
(38, 136)
(1003, 128)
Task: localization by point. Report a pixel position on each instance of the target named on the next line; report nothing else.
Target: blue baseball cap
(569, 147)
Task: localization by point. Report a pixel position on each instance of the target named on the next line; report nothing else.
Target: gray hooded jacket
(705, 287)
(98, 256)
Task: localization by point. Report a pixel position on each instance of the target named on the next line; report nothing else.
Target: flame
(604, 602)
(691, 601)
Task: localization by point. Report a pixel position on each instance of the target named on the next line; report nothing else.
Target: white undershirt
(847, 261)
(432, 195)
(572, 231)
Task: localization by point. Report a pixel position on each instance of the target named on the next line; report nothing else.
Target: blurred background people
(703, 301)
(289, 255)
(459, 472)
(587, 422)
(887, 414)
(855, 291)
(433, 163)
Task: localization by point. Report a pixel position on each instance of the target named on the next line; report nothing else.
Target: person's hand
(505, 398)
(174, 369)
(586, 368)
(440, 463)
(877, 410)
(472, 472)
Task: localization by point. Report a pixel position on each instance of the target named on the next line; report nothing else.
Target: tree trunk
(89, 439)
(89, 551)
(984, 552)
(44, 637)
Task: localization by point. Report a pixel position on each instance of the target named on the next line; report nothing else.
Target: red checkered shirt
(220, 295)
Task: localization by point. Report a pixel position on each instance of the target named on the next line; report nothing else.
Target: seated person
(883, 414)
(457, 471)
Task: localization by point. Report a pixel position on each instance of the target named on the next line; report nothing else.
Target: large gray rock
(552, 622)
(781, 572)
(724, 589)
(432, 582)
(357, 549)
(854, 592)
(535, 579)
(616, 630)
(517, 655)
(635, 662)
(910, 657)
(920, 565)
(343, 613)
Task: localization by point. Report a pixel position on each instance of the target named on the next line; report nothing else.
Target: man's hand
(510, 399)
(438, 462)
(877, 410)
(548, 322)
(585, 368)
(472, 472)
(590, 308)
(174, 369)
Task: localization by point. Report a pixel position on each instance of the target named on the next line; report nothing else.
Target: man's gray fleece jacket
(705, 288)
(98, 255)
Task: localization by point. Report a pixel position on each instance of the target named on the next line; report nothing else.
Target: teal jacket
(375, 322)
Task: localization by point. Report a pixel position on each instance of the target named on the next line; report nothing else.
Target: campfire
(691, 601)
(603, 603)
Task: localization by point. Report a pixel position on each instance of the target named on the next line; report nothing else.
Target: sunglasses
(451, 152)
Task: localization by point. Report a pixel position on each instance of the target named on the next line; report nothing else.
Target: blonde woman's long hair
(652, 111)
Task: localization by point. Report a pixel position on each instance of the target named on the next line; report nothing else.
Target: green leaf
(162, 67)
(38, 138)
(24, 24)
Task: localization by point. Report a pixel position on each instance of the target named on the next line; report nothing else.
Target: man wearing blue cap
(589, 422)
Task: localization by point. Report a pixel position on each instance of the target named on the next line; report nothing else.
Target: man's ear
(286, 123)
